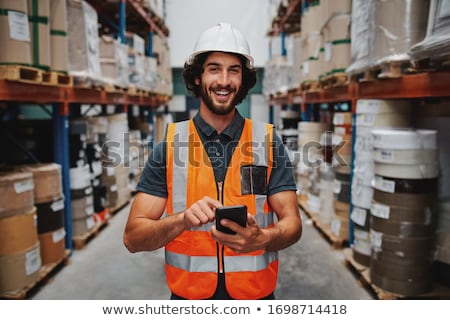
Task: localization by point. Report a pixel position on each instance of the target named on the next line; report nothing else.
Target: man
(216, 159)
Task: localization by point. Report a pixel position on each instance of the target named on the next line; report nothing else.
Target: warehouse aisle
(104, 269)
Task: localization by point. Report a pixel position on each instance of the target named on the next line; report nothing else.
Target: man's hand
(201, 212)
(245, 240)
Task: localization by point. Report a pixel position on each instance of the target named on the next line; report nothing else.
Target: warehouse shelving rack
(63, 97)
(417, 86)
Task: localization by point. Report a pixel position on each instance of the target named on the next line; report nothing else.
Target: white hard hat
(222, 37)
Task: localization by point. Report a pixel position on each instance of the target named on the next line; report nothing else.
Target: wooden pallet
(135, 91)
(80, 242)
(87, 82)
(21, 74)
(46, 273)
(57, 79)
(112, 88)
(431, 64)
(393, 69)
(438, 292)
(334, 80)
(311, 86)
(386, 70)
(325, 230)
(369, 75)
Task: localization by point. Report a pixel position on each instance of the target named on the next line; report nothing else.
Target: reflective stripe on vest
(209, 264)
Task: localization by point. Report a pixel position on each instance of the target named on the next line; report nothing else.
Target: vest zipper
(220, 248)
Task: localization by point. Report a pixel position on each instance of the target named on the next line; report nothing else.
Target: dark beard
(219, 110)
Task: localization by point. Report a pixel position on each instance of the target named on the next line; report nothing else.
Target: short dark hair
(194, 69)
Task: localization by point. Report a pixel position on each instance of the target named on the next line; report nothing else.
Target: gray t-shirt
(219, 148)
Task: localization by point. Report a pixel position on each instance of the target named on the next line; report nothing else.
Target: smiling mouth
(222, 93)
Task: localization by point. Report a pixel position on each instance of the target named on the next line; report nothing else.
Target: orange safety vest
(193, 259)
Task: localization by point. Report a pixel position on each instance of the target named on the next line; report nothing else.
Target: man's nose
(224, 78)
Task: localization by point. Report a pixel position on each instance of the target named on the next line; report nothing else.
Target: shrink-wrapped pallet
(84, 53)
(437, 41)
(399, 24)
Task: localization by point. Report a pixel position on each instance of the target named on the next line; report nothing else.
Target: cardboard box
(39, 12)
(47, 181)
(59, 46)
(17, 233)
(14, 33)
(52, 246)
(82, 226)
(84, 53)
(20, 269)
(16, 193)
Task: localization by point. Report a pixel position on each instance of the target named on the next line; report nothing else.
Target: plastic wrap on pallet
(84, 53)
(337, 44)
(437, 41)
(312, 66)
(114, 61)
(362, 35)
(400, 24)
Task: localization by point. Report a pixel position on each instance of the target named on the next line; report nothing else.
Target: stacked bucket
(20, 259)
(370, 114)
(342, 156)
(49, 202)
(403, 210)
(311, 155)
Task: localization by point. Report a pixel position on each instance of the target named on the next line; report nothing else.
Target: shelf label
(376, 239)
(384, 155)
(380, 210)
(359, 216)
(24, 186)
(57, 205)
(18, 26)
(384, 185)
(90, 222)
(58, 235)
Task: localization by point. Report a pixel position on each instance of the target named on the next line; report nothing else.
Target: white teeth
(222, 93)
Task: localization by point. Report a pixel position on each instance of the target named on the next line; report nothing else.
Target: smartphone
(237, 214)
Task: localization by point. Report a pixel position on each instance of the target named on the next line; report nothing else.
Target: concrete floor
(105, 270)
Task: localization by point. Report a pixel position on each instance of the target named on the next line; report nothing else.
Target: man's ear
(197, 81)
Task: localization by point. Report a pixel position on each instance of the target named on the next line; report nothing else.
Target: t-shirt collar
(231, 131)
